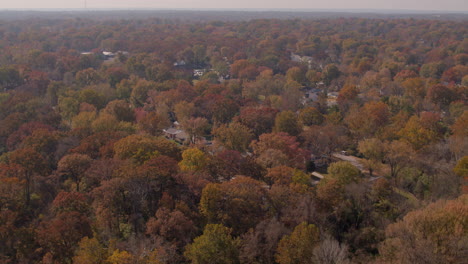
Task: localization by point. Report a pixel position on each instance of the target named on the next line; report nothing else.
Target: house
(171, 133)
(332, 99)
(110, 57)
(311, 94)
(198, 72)
(333, 95)
(302, 59)
(176, 134)
(295, 57)
(180, 63)
(108, 54)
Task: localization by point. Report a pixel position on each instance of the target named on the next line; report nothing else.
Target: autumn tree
(106, 122)
(193, 159)
(9, 77)
(44, 142)
(68, 107)
(296, 74)
(216, 245)
(71, 202)
(259, 119)
(137, 147)
(266, 84)
(74, 166)
(291, 97)
(283, 146)
(287, 122)
(348, 95)
(330, 73)
(330, 251)
(223, 110)
(234, 136)
(229, 163)
(196, 127)
(440, 95)
(324, 140)
(369, 119)
(111, 205)
(344, 172)
(61, 235)
(414, 88)
(457, 142)
(93, 97)
(161, 166)
(121, 257)
(123, 90)
(90, 251)
(310, 116)
(12, 188)
(87, 77)
(240, 203)
(330, 193)
(173, 226)
(83, 121)
(298, 247)
(459, 128)
(398, 154)
(184, 111)
(115, 75)
(417, 134)
(373, 150)
(139, 92)
(243, 69)
(154, 123)
(16, 138)
(144, 187)
(280, 175)
(461, 169)
(99, 144)
(455, 73)
(259, 244)
(432, 70)
(121, 110)
(30, 164)
(434, 234)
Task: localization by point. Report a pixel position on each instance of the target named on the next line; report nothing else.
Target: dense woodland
(89, 173)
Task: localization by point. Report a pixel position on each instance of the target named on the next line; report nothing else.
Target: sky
(423, 5)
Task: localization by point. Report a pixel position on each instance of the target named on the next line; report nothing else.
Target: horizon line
(298, 10)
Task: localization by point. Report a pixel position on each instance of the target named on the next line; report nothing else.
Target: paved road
(356, 162)
(351, 159)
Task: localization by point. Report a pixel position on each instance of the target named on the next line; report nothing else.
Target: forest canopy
(149, 139)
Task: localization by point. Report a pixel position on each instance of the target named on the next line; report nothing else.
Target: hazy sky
(442, 5)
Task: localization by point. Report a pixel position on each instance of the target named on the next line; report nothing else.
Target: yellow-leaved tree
(298, 247)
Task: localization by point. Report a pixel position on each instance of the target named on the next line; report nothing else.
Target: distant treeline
(224, 15)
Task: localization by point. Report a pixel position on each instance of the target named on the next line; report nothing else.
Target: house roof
(172, 131)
